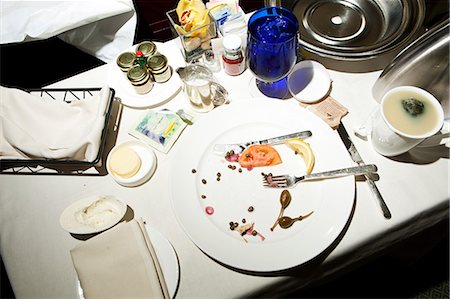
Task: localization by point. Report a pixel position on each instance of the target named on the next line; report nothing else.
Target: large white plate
(160, 93)
(331, 200)
(167, 258)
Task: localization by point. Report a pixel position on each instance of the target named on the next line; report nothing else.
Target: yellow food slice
(192, 15)
(125, 162)
(302, 148)
(184, 5)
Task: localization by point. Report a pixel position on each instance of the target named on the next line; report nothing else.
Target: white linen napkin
(98, 28)
(34, 127)
(120, 263)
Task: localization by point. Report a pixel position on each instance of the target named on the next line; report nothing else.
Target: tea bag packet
(159, 129)
(329, 110)
(120, 263)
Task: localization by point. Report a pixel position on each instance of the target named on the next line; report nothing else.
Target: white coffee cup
(400, 123)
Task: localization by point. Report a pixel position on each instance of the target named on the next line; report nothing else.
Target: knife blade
(237, 148)
(356, 157)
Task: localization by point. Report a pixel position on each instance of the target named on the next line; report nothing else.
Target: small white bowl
(148, 163)
(309, 81)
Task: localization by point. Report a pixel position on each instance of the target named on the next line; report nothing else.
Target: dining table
(36, 250)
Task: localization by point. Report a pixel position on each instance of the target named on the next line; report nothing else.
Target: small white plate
(69, 222)
(167, 258)
(148, 163)
(160, 93)
(309, 81)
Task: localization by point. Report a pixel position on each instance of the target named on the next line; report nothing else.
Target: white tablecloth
(100, 28)
(35, 249)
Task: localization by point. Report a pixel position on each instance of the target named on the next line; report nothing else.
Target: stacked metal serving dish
(361, 35)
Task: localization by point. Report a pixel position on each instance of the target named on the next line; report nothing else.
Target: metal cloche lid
(126, 59)
(157, 62)
(137, 73)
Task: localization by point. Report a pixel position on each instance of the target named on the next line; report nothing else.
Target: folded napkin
(33, 127)
(119, 263)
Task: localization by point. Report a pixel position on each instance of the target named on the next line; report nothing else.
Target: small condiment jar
(157, 65)
(140, 78)
(125, 61)
(233, 58)
(147, 48)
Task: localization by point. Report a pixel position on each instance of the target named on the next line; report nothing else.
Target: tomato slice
(259, 155)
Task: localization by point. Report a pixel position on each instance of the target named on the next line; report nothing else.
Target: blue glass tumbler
(272, 49)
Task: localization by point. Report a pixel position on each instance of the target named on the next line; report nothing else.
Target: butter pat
(125, 162)
(131, 163)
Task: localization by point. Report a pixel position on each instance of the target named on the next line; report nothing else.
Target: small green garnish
(413, 106)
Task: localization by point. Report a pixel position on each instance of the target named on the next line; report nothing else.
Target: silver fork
(288, 181)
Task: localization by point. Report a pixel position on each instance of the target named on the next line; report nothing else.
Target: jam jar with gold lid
(147, 48)
(161, 71)
(126, 60)
(140, 78)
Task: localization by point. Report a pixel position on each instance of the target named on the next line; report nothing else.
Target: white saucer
(69, 222)
(167, 258)
(148, 163)
(309, 81)
(160, 93)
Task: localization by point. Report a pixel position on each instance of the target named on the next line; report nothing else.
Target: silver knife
(358, 160)
(237, 148)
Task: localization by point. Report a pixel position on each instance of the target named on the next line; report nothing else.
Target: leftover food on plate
(258, 155)
(303, 149)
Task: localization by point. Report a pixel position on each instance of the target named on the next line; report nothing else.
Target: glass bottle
(233, 58)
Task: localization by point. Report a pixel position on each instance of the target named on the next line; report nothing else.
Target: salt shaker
(233, 58)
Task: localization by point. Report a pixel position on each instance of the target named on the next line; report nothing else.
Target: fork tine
(279, 184)
(275, 185)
